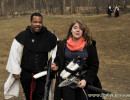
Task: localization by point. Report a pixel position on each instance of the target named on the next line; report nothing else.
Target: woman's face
(76, 31)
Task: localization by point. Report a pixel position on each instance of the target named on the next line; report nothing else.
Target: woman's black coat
(92, 63)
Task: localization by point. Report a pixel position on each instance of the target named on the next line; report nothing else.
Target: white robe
(11, 86)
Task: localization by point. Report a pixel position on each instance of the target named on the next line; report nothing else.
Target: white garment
(110, 7)
(116, 8)
(52, 86)
(11, 86)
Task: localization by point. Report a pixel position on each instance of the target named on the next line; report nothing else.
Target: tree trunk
(88, 4)
(72, 6)
(27, 4)
(97, 7)
(26, 9)
(46, 9)
(34, 5)
(124, 4)
(2, 8)
(53, 4)
(64, 6)
(111, 2)
(14, 3)
(40, 6)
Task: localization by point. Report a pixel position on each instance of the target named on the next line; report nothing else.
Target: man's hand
(16, 76)
(54, 67)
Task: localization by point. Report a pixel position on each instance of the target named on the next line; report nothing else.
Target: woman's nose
(78, 29)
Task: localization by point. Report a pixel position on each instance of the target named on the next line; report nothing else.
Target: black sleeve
(93, 64)
(52, 41)
(21, 37)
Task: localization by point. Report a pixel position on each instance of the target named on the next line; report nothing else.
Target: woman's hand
(54, 67)
(82, 83)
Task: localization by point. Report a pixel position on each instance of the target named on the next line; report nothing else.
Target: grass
(112, 36)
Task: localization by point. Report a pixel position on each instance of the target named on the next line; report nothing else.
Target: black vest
(36, 48)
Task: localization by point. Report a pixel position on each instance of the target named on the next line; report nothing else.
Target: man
(34, 43)
(109, 11)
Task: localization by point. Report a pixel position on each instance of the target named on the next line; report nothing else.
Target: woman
(77, 45)
(116, 11)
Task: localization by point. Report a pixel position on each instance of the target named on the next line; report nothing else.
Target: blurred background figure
(116, 11)
(109, 10)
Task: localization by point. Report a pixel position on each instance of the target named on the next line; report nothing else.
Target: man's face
(36, 24)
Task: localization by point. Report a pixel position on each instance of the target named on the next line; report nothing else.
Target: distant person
(29, 56)
(109, 10)
(77, 45)
(116, 11)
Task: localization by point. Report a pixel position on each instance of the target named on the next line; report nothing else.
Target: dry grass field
(113, 45)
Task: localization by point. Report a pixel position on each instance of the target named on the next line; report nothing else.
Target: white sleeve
(14, 60)
(11, 87)
(53, 52)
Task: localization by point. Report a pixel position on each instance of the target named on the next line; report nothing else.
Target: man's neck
(32, 30)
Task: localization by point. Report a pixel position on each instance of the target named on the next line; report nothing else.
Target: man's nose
(37, 23)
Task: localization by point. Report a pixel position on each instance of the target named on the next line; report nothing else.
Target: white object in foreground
(67, 74)
(40, 74)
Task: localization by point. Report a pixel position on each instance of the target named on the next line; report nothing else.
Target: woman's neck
(75, 40)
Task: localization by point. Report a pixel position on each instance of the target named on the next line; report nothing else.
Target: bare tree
(9, 7)
(34, 5)
(124, 4)
(27, 4)
(14, 4)
(40, 5)
(51, 6)
(78, 4)
(97, 6)
(72, 6)
(64, 6)
(46, 9)
(2, 8)
(88, 4)
(111, 2)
